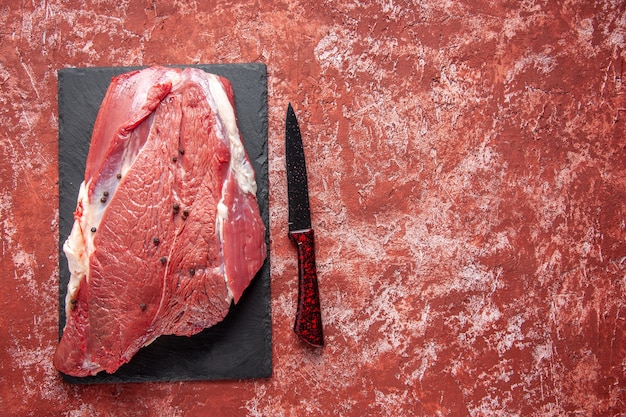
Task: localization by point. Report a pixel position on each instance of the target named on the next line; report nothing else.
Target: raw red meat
(167, 229)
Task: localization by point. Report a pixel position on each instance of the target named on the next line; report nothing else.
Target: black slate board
(240, 346)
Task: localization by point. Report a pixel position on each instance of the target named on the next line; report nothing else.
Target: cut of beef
(167, 229)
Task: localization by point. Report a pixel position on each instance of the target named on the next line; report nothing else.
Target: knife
(308, 324)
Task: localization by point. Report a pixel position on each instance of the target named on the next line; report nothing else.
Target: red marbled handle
(308, 325)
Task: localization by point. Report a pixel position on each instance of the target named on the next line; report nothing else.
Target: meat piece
(167, 229)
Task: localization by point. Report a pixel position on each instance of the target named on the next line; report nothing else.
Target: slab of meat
(167, 229)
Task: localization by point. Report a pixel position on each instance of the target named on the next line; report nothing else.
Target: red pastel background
(467, 178)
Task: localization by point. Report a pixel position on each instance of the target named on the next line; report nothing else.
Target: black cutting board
(240, 346)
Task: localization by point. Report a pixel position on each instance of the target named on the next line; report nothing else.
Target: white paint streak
(543, 63)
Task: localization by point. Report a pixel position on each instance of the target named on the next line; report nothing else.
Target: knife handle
(308, 325)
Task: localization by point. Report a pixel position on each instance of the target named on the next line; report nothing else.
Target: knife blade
(308, 323)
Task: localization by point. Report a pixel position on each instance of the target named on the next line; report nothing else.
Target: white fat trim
(222, 213)
(77, 248)
(145, 83)
(220, 217)
(150, 341)
(225, 113)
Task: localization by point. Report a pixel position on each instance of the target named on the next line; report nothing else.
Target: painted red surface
(468, 186)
